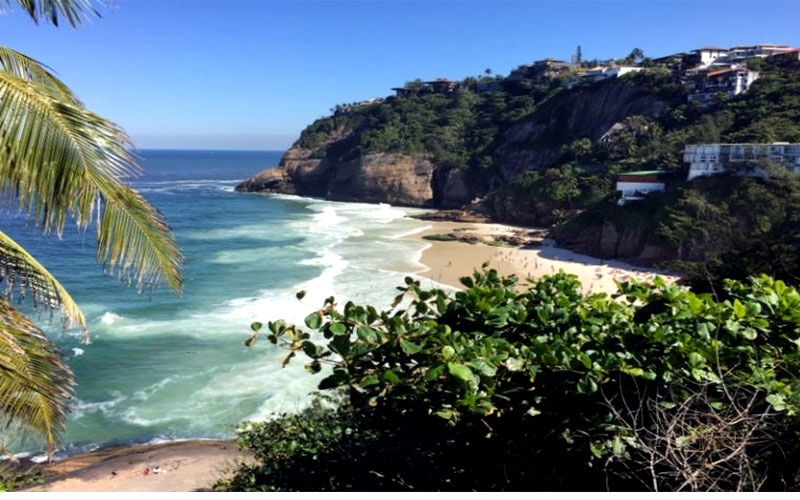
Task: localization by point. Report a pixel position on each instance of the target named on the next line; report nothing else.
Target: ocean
(161, 367)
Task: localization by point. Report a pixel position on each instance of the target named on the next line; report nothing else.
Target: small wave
(77, 351)
(79, 407)
(147, 392)
(109, 318)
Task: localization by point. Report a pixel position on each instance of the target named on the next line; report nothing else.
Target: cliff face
(588, 112)
(397, 179)
(612, 240)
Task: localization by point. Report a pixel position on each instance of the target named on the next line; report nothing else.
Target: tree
(636, 56)
(60, 160)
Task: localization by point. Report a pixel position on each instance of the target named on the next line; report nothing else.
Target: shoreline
(176, 466)
(521, 251)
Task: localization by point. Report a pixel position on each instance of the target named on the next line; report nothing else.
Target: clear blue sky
(239, 74)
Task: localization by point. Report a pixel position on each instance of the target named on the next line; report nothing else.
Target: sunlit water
(161, 367)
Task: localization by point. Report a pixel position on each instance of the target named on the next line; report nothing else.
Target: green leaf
(337, 378)
(391, 377)
(696, 359)
(341, 345)
(738, 309)
(366, 334)
(409, 348)
(435, 372)
(749, 333)
(300, 294)
(777, 402)
(461, 372)
(514, 364)
(256, 326)
(448, 352)
(337, 328)
(369, 380)
(314, 320)
(310, 349)
(466, 281)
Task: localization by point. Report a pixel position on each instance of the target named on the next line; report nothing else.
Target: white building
(711, 159)
(708, 55)
(751, 51)
(601, 73)
(728, 82)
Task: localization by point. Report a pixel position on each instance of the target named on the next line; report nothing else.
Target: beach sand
(183, 466)
(447, 261)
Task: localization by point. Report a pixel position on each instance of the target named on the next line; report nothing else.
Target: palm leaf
(31, 70)
(25, 277)
(74, 11)
(57, 158)
(35, 384)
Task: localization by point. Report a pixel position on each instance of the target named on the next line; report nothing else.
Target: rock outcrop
(608, 239)
(398, 179)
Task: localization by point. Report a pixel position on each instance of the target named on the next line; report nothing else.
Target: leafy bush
(497, 389)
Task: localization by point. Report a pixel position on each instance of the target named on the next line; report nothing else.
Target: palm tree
(59, 160)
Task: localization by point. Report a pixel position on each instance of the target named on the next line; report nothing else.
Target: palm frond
(32, 70)
(35, 384)
(133, 236)
(74, 11)
(57, 158)
(25, 277)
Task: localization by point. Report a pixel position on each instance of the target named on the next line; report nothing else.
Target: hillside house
(634, 186)
(751, 51)
(443, 86)
(791, 54)
(744, 159)
(706, 86)
(707, 55)
(600, 74)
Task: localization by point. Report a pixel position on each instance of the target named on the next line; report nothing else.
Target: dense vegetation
(656, 388)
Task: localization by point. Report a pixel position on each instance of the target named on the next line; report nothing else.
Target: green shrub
(495, 389)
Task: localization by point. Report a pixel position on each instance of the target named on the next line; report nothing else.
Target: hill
(535, 149)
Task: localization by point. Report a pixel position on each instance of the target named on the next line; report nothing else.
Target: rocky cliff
(362, 154)
(398, 179)
(586, 112)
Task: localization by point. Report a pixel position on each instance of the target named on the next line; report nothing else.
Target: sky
(251, 74)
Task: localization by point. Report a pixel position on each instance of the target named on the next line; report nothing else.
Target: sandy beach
(447, 261)
(183, 466)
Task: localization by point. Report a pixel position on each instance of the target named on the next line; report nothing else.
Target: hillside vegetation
(535, 152)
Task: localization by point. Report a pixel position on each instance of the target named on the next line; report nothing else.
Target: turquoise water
(161, 367)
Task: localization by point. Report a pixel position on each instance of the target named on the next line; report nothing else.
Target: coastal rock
(398, 179)
(383, 178)
(611, 240)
